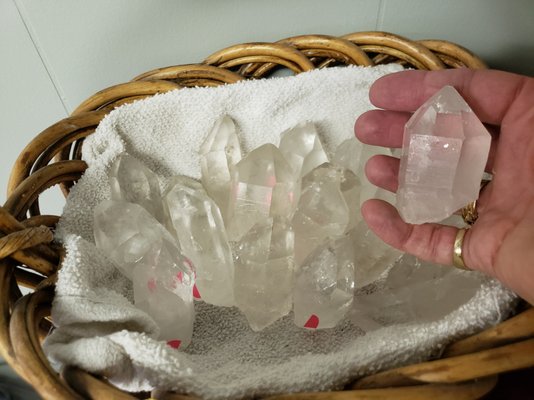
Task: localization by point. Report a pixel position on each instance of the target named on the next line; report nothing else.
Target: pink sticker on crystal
(196, 293)
(313, 322)
(174, 343)
(180, 276)
(151, 285)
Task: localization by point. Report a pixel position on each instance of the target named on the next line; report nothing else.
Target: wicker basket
(467, 369)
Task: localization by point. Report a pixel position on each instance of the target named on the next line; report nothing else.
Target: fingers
(489, 93)
(381, 128)
(429, 242)
(383, 171)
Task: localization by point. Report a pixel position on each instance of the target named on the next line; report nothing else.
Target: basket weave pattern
(467, 369)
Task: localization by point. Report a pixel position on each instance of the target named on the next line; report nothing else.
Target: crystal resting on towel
(444, 153)
(291, 236)
(145, 252)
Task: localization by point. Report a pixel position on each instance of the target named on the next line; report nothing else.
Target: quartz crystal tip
(219, 154)
(445, 150)
(131, 181)
(263, 185)
(302, 148)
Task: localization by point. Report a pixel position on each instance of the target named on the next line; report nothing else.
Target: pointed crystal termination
(322, 211)
(219, 154)
(263, 185)
(302, 148)
(133, 182)
(324, 285)
(145, 252)
(264, 272)
(199, 227)
(372, 257)
(348, 155)
(445, 149)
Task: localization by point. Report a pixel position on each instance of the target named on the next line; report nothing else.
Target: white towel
(99, 330)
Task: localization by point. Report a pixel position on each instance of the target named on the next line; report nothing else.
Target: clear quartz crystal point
(350, 187)
(445, 149)
(348, 155)
(372, 257)
(265, 272)
(133, 182)
(263, 186)
(145, 252)
(324, 285)
(219, 153)
(322, 211)
(302, 148)
(413, 292)
(198, 225)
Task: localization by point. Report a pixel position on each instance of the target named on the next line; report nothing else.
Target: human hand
(501, 242)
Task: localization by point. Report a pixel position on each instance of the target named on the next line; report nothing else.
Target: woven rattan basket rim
(468, 367)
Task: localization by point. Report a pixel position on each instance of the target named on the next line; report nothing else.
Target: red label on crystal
(174, 343)
(196, 293)
(313, 322)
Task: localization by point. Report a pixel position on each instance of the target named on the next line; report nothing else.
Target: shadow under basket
(468, 369)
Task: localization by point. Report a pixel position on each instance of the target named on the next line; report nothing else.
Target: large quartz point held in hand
(264, 272)
(263, 186)
(219, 153)
(146, 253)
(133, 182)
(445, 149)
(324, 285)
(199, 227)
(322, 211)
(302, 148)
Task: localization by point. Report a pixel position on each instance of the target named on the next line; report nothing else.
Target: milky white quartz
(445, 149)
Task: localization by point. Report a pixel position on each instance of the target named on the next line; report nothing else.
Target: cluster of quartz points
(274, 231)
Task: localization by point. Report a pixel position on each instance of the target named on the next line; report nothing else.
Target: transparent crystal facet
(197, 222)
(145, 252)
(322, 211)
(372, 257)
(348, 155)
(445, 149)
(263, 186)
(264, 272)
(302, 148)
(219, 153)
(133, 182)
(413, 292)
(324, 285)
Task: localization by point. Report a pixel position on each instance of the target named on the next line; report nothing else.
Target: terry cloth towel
(99, 330)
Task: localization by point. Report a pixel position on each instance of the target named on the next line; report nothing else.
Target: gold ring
(469, 212)
(457, 258)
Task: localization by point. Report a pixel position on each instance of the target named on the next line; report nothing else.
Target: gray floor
(12, 387)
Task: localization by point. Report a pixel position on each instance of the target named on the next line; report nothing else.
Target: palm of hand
(501, 242)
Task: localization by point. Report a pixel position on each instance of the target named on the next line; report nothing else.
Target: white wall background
(56, 53)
